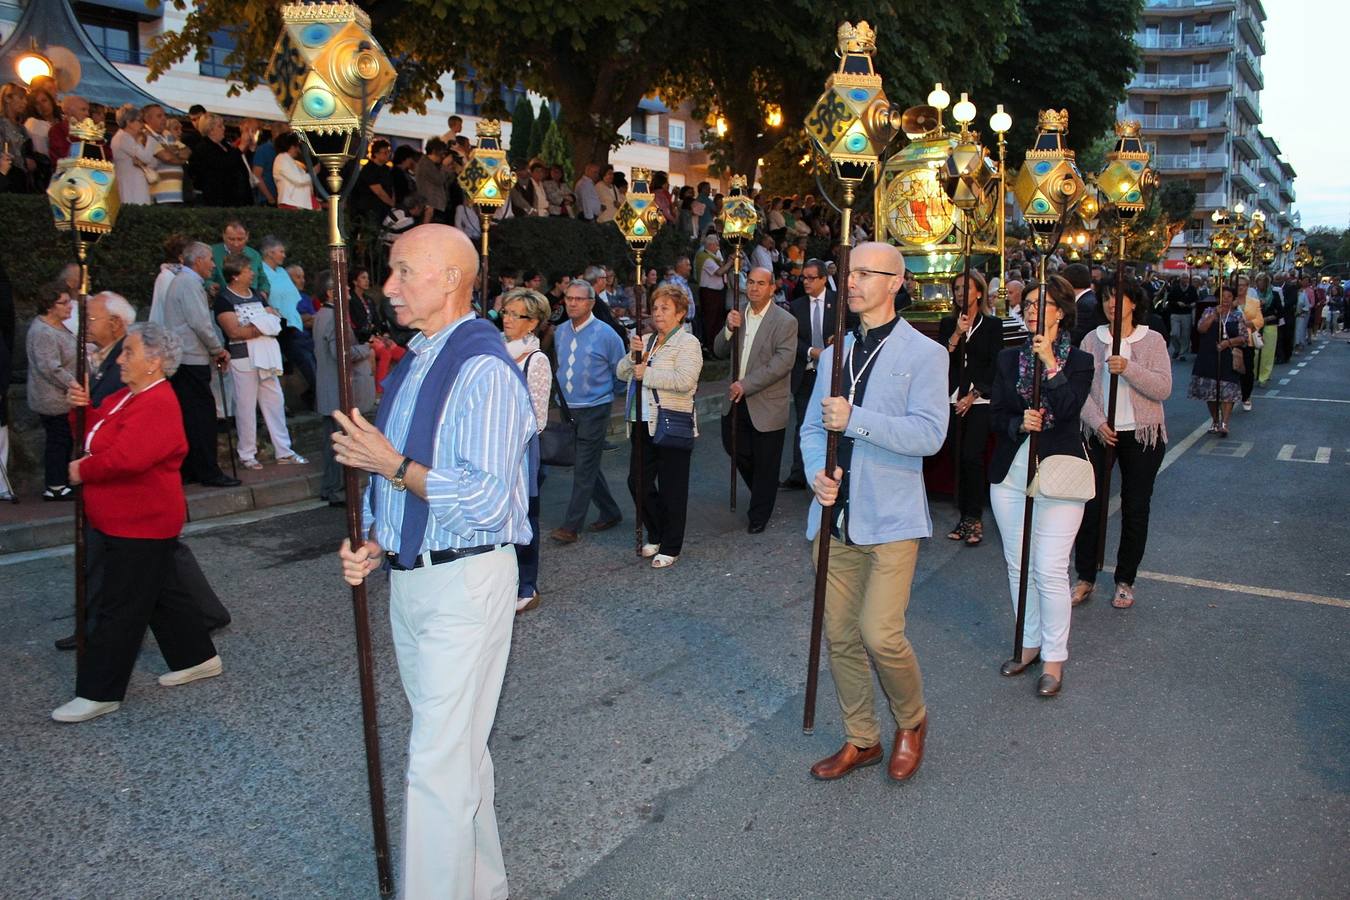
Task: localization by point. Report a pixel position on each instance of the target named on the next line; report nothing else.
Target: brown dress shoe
(908, 751)
(563, 535)
(606, 524)
(846, 760)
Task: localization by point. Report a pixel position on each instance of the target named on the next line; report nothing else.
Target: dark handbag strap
(562, 403)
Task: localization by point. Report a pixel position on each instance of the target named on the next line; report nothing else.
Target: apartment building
(658, 137)
(1198, 94)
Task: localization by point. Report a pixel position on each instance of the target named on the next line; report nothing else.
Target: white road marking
(1230, 449)
(1292, 374)
(1274, 394)
(191, 528)
(1284, 381)
(1247, 589)
(1173, 454)
(1286, 454)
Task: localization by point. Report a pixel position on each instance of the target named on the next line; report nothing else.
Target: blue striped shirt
(477, 484)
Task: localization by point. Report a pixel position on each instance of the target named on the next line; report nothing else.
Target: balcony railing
(1183, 123)
(1178, 81)
(654, 140)
(1211, 200)
(1251, 99)
(1189, 4)
(1188, 41)
(1187, 162)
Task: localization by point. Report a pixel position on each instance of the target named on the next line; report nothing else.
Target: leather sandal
(959, 532)
(975, 533)
(1124, 597)
(1082, 593)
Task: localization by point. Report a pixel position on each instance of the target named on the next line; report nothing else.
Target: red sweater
(132, 485)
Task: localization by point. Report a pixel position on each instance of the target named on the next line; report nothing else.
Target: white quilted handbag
(1064, 477)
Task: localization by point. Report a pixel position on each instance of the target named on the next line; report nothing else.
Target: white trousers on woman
(452, 632)
(251, 393)
(1054, 525)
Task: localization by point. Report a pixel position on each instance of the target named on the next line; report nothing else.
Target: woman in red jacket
(133, 497)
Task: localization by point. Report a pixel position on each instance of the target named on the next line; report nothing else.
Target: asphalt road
(649, 745)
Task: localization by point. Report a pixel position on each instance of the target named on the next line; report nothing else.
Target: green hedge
(128, 260)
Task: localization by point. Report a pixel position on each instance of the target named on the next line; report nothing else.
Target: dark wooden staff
(1109, 458)
(1037, 371)
(958, 426)
(831, 460)
(81, 377)
(365, 657)
(639, 305)
(736, 337)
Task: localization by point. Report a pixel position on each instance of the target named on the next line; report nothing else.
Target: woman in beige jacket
(669, 365)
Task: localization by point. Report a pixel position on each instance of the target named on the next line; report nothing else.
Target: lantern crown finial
(860, 38)
(88, 130)
(1128, 128)
(1053, 120)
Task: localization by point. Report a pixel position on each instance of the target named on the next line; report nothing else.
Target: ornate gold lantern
(83, 192)
(639, 219)
(1049, 180)
(852, 122)
(487, 178)
(1127, 180)
(739, 218)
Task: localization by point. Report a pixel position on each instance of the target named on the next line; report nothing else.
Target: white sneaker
(1247, 405)
(650, 550)
(295, 459)
(82, 710)
(209, 669)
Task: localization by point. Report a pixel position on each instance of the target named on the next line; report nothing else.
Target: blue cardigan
(902, 419)
(1064, 395)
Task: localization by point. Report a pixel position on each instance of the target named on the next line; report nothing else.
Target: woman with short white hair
(133, 158)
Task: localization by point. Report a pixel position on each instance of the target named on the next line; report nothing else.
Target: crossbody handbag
(674, 429)
(1064, 477)
(558, 440)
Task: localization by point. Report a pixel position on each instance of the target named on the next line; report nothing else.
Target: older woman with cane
(134, 500)
(1066, 378)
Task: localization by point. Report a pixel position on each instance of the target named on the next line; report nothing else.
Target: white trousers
(251, 393)
(452, 632)
(1054, 525)
(6, 487)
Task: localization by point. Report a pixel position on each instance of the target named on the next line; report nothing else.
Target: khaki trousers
(866, 595)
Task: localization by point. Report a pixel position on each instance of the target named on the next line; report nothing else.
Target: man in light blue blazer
(892, 414)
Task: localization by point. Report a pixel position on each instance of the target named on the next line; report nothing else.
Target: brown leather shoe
(908, 751)
(846, 760)
(563, 535)
(606, 524)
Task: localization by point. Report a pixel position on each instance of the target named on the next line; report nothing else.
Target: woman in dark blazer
(1066, 381)
(133, 496)
(218, 168)
(973, 341)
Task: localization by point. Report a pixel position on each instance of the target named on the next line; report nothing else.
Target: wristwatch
(397, 482)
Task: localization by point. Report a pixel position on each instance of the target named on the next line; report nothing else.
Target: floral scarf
(1026, 361)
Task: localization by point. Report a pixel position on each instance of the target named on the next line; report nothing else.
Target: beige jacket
(768, 372)
(673, 372)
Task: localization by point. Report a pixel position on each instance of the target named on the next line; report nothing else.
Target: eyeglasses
(575, 297)
(868, 273)
(515, 315)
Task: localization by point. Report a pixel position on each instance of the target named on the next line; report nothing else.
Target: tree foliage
(522, 132)
(542, 123)
(555, 151)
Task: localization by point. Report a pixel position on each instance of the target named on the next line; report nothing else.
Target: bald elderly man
(758, 412)
(451, 454)
(892, 414)
(74, 109)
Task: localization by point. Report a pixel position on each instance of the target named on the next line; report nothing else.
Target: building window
(675, 131)
(465, 102)
(637, 126)
(213, 64)
(114, 34)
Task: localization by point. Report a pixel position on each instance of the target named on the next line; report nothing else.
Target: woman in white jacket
(295, 190)
(670, 362)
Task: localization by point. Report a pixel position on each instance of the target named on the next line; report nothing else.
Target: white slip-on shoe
(662, 561)
(295, 459)
(82, 710)
(209, 669)
(650, 550)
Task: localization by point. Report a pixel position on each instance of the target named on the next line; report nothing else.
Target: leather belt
(436, 557)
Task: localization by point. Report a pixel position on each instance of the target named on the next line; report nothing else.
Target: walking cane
(1037, 371)
(831, 461)
(229, 426)
(1109, 457)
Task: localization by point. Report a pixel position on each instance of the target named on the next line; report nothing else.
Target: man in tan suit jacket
(759, 399)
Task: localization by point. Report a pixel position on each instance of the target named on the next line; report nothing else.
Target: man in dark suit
(759, 397)
(1089, 309)
(1284, 344)
(109, 316)
(814, 312)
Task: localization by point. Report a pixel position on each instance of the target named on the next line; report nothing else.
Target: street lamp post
(330, 77)
(1001, 123)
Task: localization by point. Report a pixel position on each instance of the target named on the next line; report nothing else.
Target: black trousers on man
(132, 585)
(801, 399)
(759, 455)
(1284, 343)
(192, 385)
(1138, 471)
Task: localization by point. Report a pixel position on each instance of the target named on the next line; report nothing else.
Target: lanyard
(89, 438)
(853, 379)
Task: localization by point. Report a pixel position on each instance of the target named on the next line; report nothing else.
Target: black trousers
(759, 455)
(1138, 470)
(332, 487)
(1248, 378)
(801, 399)
(192, 385)
(187, 580)
(56, 450)
(1284, 345)
(974, 430)
(132, 585)
(665, 489)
